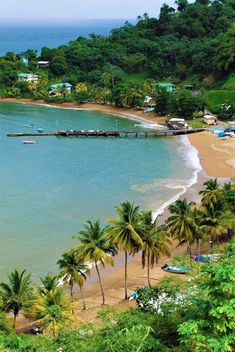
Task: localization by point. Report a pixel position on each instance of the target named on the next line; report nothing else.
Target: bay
(48, 190)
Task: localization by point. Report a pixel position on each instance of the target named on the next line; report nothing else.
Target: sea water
(48, 190)
(21, 37)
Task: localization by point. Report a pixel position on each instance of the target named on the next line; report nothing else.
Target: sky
(72, 10)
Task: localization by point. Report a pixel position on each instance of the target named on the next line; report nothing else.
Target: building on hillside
(41, 64)
(169, 87)
(27, 77)
(60, 88)
(177, 124)
(210, 119)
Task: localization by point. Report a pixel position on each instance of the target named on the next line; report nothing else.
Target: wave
(191, 159)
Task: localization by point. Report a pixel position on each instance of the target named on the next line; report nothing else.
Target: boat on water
(176, 269)
(29, 142)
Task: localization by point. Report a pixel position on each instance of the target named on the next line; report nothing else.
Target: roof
(209, 117)
(166, 84)
(174, 119)
(61, 85)
(22, 75)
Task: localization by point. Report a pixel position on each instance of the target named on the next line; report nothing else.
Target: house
(210, 120)
(27, 77)
(56, 89)
(41, 64)
(177, 124)
(169, 87)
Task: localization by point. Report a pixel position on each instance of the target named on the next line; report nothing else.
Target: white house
(210, 120)
(41, 64)
(27, 77)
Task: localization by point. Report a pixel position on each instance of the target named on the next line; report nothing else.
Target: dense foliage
(186, 43)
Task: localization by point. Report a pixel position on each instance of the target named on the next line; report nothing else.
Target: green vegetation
(185, 44)
(176, 315)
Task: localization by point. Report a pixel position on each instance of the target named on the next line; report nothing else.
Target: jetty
(114, 133)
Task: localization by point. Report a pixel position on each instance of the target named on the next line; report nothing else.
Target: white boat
(29, 142)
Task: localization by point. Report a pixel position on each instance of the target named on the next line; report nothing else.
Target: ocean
(19, 37)
(50, 189)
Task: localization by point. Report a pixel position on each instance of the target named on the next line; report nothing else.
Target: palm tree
(95, 248)
(49, 282)
(181, 223)
(73, 272)
(217, 220)
(199, 233)
(52, 311)
(17, 294)
(155, 242)
(125, 231)
(211, 193)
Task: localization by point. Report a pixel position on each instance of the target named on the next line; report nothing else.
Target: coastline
(199, 150)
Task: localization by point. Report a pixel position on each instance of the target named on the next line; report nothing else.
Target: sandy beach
(217, 158)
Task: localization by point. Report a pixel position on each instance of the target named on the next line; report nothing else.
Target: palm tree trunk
(126, 275)
(71, 294)
(198, 247)
(101, 287)
(189, 250)
(14, 322)
(148, 271)
(83, 299)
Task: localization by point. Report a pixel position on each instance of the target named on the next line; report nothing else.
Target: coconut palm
(155, 242)
(95, 248)
(217, 220)
(73, 272)
(53, 311)
(49, 282)
(181, 223)
(17, 295)
(125, 231)
(199, 233)
(211, 193)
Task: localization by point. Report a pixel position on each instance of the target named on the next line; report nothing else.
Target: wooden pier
(115, 133)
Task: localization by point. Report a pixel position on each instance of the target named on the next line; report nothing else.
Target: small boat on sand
(176, 269)
(29, 142)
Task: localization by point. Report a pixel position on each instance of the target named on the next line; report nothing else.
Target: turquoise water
(48, 190)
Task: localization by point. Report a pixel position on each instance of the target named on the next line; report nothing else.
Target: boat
(29, 142)
(206, 258)
(176, 269)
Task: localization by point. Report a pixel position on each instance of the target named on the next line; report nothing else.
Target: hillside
(183, 44)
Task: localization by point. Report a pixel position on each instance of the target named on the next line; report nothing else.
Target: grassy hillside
(221, 91)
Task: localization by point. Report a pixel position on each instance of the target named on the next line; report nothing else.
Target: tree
(155, 242)
(73, 272)
(58, 65)
(125, 231)
(52, 311)
(17, 295)
(211, 193)
(48, 283)
(212, 323)
(181, 223)
(181, 5)
(95, 248)
(162, 98)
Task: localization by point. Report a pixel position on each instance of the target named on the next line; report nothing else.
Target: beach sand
(217, 156)
(218, 160)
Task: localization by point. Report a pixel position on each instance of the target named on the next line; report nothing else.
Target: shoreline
(113, 277)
